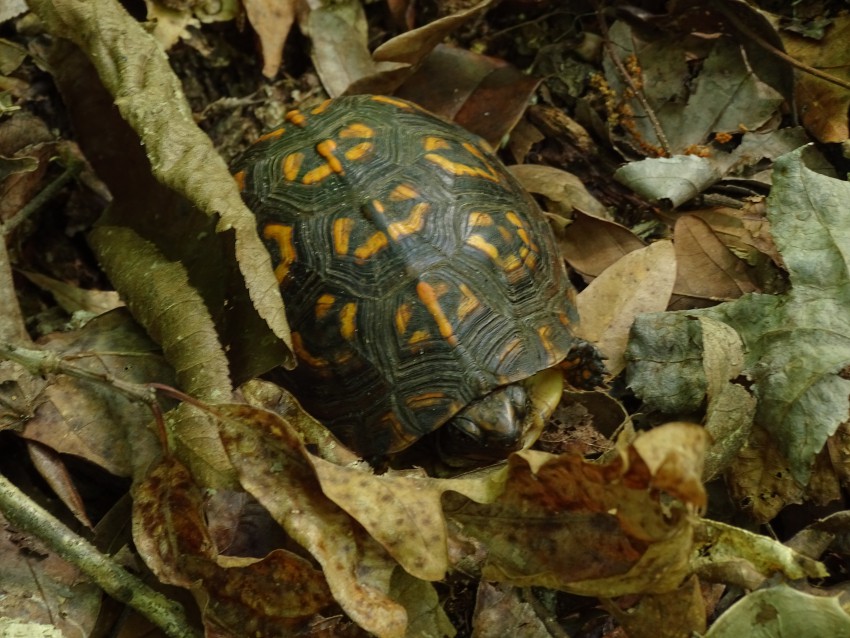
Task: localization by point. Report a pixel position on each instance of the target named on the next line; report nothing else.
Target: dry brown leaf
(248, 596)
(91, 420)
(20, 394)
(823, 105)
(563, 191)
(168, 524)
(272, 597)
(272, 21)
(591, 244)
(705, 267)
(501, 611)
(73, 298)
(412, 47)
(673, 614)
(53, 470)
(760, 479)
(273, 466)
(597, 529)
(339, 35)
(741, 230)
(39, 586)
(401, 511)
(639, 282)
(485, 95)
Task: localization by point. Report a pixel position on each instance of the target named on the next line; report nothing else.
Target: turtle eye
(490, 427)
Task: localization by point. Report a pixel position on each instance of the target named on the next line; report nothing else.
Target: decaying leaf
(782, 611)
(272, 465)
(272, 595)
(796, 344)
(823, 104)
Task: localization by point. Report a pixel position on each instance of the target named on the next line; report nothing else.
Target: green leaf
(796, 344)
(781, 612)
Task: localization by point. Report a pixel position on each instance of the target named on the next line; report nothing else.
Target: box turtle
(422, 284)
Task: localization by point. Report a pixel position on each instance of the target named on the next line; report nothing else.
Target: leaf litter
(749, 393)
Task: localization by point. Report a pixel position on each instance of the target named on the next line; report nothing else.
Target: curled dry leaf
(720, 547)
(136, 73)
(401, 511)
(273, 466)
(269, 596)
(596, 529)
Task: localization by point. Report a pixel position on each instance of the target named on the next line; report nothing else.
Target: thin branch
(31, 518)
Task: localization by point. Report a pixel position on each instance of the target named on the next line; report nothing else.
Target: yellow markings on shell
(348, 320)
(522, 230)
(433, 143)
(407, 106)
(511, 262)
(240, 180)
(324, 305)
(506, 353)
(474, 150)
(529, 258)
(414, 222)
(468, 304)
(359, 151)
(543, 333)
(357, 130)
(425, 400)
(403, 192)
(317, 174)
(418, 337)
(513, 218)
(296, 117)
(282, 234)
(378, 206)
(305, 355)
(321, 108)
(477, 241)
(271, 135)
(429, 298)
(327, 148)
(456, 168)
(402, 318)
(373, 245)
(341, 234)
(480, 219)
(291, 166)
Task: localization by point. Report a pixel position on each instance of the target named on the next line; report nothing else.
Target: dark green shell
(417, 274)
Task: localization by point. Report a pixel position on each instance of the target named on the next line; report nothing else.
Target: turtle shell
(418, 276)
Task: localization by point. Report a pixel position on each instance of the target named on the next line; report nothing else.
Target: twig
(44, 196)
(11, 320)
(767, 46)
(43, 362)
(638, 91)
(28, 517)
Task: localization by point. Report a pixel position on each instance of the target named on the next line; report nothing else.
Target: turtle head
(508, 419)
